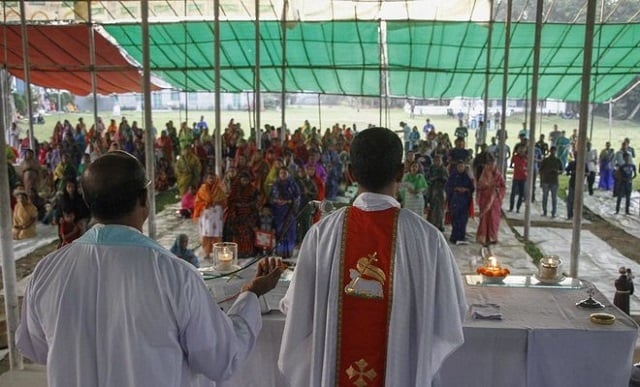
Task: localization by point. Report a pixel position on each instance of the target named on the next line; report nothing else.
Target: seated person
(181, 251)
(187, 202)
(25, 216)
(68, 229)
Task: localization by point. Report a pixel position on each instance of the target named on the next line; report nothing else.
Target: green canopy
(420, 59)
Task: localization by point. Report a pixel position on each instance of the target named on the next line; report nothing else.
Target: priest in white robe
(422, 290)
(114, 308)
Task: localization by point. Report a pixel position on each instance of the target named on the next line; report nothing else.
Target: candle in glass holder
(225, 259)
(549, 267)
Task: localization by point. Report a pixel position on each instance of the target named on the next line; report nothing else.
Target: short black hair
(376, 158)
(113, 184)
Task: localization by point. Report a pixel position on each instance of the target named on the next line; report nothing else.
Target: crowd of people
(264, 198)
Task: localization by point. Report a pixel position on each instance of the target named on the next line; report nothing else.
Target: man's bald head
(113, 184)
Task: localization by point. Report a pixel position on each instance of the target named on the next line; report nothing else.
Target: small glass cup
(548, 268)
(225, 256)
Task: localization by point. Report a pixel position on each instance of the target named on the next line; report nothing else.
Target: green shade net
(423, 59)
(442, 59)
(331, 57)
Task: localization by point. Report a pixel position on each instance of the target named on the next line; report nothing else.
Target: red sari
(242, 217)
(490, 191)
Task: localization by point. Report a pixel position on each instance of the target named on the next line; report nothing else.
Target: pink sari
(489, 193)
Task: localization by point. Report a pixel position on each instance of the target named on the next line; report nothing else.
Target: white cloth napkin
(486, 312)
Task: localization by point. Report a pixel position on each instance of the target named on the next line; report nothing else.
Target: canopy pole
(11, 309)
(532, 123)
(256, 87)
(249, 111)
(505, 87)
(186, 78)
(283, 94)
(148, 122)
(92, 60)
(7, 117)
(610, 118)
(483, 128)
(582, 136)
(319, 115)
(216, 74)
(380, 73)
(595, 79)
(27, 72)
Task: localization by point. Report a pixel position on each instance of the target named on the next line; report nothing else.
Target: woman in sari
(208, 211)
(413, 187)
(285, 198)
(187, 169)
(490, 192)
(242, 214)
(25, 215)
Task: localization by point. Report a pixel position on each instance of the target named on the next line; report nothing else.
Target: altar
(543, 339)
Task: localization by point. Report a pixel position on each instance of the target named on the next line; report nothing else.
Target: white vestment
(114, 308)
(427, 308)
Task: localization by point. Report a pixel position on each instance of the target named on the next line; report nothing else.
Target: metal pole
(11, 308)
(283, 94)
(505, 86)
(27, 72)
(380, 74)
(610, 118)
(148, 122)
(256, 87)
(216, 75)
(483, 127)
(532, 123)
(92, 60)
(582, 136)
(319, 114)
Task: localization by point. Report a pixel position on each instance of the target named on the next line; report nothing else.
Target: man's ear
(350, 173)
(399, 173)
(143, 198)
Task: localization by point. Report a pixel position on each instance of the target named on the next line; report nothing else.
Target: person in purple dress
(285, 198)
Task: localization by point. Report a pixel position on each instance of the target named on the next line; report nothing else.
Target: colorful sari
(490, 192)
(242, 217)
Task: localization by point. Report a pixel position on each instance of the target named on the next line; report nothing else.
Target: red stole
(364, 304)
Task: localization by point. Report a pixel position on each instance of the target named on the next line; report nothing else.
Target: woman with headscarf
(285, 198)
(181, 250)
(490, 192)
(208, 211)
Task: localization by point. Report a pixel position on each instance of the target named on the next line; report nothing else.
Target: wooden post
(148, 122)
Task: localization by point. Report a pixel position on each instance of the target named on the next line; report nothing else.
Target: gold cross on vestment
(361, 373)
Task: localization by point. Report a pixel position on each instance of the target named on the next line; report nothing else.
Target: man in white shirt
(376, 296)
(114, 308)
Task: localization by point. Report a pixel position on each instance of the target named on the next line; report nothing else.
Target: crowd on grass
(265, 198)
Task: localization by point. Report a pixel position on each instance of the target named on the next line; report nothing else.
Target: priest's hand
(266, 278)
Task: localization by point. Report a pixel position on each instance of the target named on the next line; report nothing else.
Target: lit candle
(225, 259)
(549, 268)
(493, 262)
